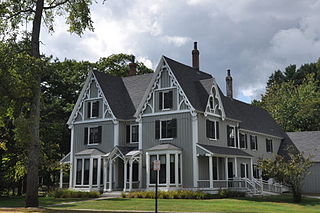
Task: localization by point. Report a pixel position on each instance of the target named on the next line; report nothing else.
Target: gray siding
(183, 140)
(311, 183)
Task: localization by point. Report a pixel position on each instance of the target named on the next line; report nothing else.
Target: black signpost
(156, 167)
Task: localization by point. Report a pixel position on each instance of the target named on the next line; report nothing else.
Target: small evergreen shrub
(67, 193)
(224, 193)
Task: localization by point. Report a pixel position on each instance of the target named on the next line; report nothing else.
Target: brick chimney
(229, 84)
(195, 56)
(132, 67)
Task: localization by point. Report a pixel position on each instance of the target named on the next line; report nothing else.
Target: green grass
(43, 201)
(263, 204)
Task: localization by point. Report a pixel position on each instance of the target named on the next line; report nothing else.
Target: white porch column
(71, 177)
(176, 166)
(140, 134)
(226, 172)
(116, 133)
(130, 175)
(110, 175)
(168, 169)
(90, 173)
(99, 174)
(251, 168)
(218, 173)
(125, 176)
(147, 170)
(140, 171)
(194, 150)
(104, 175)
(61, 178)
(236, 167)
(210, 172)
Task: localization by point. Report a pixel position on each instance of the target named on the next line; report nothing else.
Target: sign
(156, 165)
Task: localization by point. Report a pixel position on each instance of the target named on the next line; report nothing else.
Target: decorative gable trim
(154, 84)
(84, 95)
(217, 106)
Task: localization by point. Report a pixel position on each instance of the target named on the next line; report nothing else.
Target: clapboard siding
(311, 183)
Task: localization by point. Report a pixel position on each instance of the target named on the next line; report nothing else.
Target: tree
(12, 16)
(290, 172)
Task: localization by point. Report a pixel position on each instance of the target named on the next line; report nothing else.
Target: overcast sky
(252, 38)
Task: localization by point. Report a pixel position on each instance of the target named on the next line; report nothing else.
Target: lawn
(264, 204)
(43, 201)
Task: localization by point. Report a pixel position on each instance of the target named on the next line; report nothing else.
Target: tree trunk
(296, 195)
(34, 145)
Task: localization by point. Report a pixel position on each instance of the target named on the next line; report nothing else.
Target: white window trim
(130, 141)
(163, 92)
(82, 170)
(245, 134)
(256, 142)
(234, 136)
(215, 128)
(245, 169)
(271, 145)
(91, 127)
(161, 138)
(91, 101)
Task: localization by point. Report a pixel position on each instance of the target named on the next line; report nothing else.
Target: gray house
(178, 115)
(309, 143)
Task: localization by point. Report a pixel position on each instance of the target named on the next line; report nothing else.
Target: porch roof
(92, 151)
(66, 158)
(165, 146)
(218, 150)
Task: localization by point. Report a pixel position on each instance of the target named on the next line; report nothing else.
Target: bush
(224, 193)
(67, 193)
(180, 194)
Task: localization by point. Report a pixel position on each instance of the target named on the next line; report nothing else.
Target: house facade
(178, 115)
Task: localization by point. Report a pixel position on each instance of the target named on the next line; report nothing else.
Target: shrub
(180, 194)
(224, 193)
(67, 193)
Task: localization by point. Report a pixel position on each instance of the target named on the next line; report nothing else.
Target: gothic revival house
(178, 115)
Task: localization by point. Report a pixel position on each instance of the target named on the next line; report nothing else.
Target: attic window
(165, 100)
(211, 102)
(93, 109)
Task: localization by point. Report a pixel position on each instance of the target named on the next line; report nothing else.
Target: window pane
(162, 172)
(152, 172)
(86, 171)
(95, 172)
(164, 129)
(94, 135)
(179, 168)
(101, 173)
(172, 169)
(79, 171)
(135, 133)
(135, 171)
(167, 100)
(95, 109)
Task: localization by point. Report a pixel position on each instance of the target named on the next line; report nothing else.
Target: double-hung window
(231, 134)
(253, 142)
(243, 141)
(165, 100)
(93, 109)
(212, 128)
(269, 147)
(166, 129)
(92, 135)
(132, 133)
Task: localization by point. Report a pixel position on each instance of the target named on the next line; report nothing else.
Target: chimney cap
(228, 71)
(133, 58)
(195, 45)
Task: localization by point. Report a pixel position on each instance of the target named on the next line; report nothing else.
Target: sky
(252, 38)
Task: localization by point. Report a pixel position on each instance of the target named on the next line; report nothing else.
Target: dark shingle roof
(307, 142)
(225, 150)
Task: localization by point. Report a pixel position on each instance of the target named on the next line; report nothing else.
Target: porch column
(130, 175)
(104, 175)
(110, 175)
(226, 172)
(90, 173)
(218, 173)
(61, 178)
(72, 173)
(99, 173)
(168, 169)
(125, 176)
(236, 167)
(147, 169)
(176, 166)
(140, 171)
(210, 172)
(251, 168)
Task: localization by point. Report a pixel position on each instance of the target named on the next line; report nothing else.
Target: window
(243, 141)
(135, 171)
(244, 170)
(231, 134)
(86, 171)
(79, 172)
(211, 102)
(212, 129)
(132, 133)
(93, 109)
(163, 169)
(172, 169)
(165, 100)
(95, 172)
(269, 147)
(253, 142)
(92, 135)
(153, 174)
(83, 171)
(166, 129)
(256, 171)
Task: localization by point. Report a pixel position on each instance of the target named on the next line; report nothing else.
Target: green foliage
(66, 193)
(184, 194)
(290, 172)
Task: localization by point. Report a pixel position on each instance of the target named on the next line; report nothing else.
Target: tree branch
(29, 10)
(56, 5)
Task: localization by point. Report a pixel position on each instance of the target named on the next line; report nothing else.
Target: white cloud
(176, 40)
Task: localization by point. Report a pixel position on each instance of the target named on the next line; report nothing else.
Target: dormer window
(211, 102)
(165, 100)
(93, 109)
(231, 136)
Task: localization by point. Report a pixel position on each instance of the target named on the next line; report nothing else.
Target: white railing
(272, 187)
